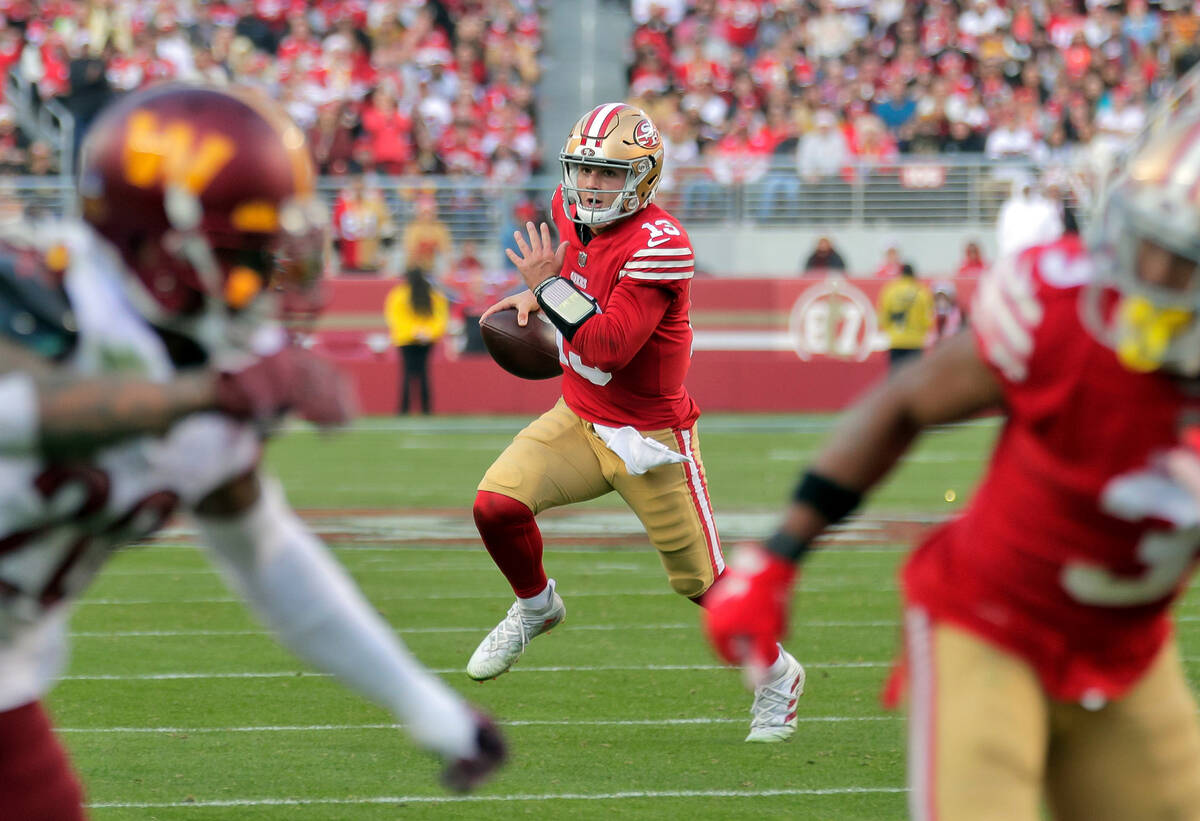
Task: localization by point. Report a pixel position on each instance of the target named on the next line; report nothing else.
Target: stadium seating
(379, 86)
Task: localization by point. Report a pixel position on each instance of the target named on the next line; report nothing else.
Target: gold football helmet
(613, 135)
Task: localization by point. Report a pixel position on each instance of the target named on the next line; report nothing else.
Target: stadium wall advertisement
(767, 345)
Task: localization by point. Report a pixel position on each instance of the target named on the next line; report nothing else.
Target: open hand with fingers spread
(539, 259)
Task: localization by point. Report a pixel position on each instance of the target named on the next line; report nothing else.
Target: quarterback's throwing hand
(539, 259)
(746, 611)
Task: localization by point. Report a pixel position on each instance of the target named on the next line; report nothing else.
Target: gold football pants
(558, 459)
(987, 744)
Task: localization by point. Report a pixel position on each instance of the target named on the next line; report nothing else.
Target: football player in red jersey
(617, 291)
(1039, 656)
(141, 358)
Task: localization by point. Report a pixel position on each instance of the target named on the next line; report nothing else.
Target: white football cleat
(774, 708)
(505, 644)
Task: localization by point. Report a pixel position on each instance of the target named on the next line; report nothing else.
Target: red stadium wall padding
(745, 357)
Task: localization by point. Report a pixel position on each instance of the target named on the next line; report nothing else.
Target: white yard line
(413, 631)
(597, 668)
(482, 594)
(327, 728)
(475, 799)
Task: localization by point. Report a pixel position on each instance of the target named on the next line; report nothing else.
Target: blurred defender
(1041, 663)
(141, 358)
(617, 289)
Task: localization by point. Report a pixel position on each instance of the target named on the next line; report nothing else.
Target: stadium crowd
(398, 86)
(840, 82)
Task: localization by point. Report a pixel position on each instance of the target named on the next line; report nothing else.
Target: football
(529, 352)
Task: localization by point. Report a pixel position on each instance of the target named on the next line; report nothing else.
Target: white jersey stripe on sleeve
(1007, 312)
(657, 276)
(663, 252)
(654, 264)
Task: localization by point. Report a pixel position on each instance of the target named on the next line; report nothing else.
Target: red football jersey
(1076, 541)
(626, 365)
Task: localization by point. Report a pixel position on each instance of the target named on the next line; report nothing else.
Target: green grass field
(178, 706)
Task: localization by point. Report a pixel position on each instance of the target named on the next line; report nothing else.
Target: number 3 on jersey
(1166, 554)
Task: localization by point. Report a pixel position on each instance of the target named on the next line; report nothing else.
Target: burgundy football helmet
(208, 195)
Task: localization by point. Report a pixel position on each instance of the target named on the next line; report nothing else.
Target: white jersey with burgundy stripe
(59, 522)
(648, 249)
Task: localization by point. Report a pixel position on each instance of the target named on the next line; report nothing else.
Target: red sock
(36, 781)
(512, 538)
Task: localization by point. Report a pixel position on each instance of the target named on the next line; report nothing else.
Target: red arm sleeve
(609, 340)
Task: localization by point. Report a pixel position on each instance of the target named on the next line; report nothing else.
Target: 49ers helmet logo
(646, 135)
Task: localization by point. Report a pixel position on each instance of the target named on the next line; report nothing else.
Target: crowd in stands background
(396, 86)
(821, 86)
(737, 87)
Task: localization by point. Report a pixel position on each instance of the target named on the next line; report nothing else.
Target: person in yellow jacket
(905, 310)
(416, 316)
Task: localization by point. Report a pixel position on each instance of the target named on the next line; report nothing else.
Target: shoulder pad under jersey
(34, 310)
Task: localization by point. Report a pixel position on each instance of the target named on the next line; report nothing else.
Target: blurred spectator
(829, 34)
(973, 264)
(703, 198)
(89, 92)
(679, 151)
(426, 238)
(822, 153)
(362, 226)
(42, 162)
(871, 144)
(905, 308)
(1010, 139)
(1026, 219)
(1118, 121)
(417, 316)
(1140, 27)
(981, 19)
(387, 132)
(896, 107)
(948, 317)
(824, 258)
(331, 140)
(14, 146)
(742, 156)
(892, 264)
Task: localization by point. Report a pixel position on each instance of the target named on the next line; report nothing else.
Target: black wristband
(787, 547)
(832, 500)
